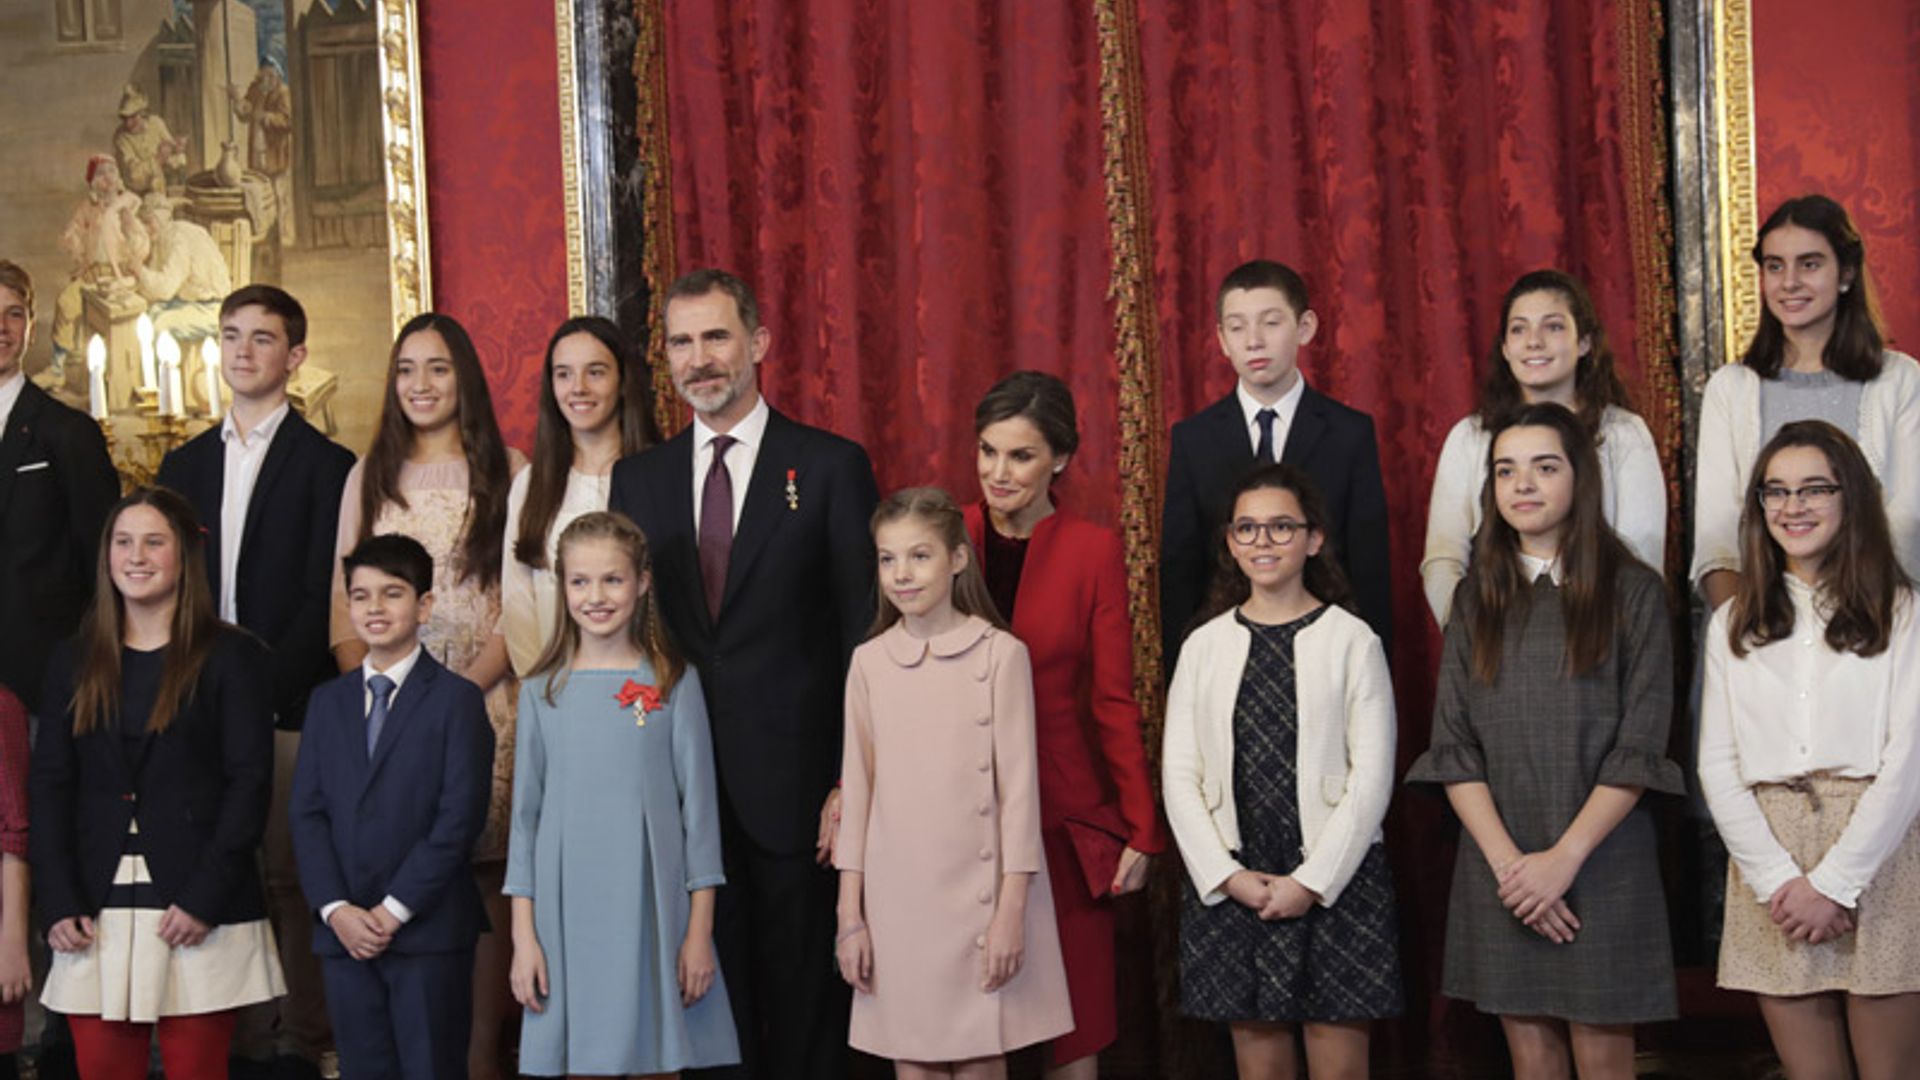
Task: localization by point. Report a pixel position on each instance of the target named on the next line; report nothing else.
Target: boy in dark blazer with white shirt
(1272, 415)
(266, 485)
(390, 794)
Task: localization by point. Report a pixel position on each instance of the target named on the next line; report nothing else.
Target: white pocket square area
(33, 466)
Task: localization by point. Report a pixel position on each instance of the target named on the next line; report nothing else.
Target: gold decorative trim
(658, 262)
(398, 25)
(1643, 139)
(570, 158)
(1136, 336)
(1739, 213)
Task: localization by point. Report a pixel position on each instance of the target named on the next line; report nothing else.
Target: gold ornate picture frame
(174, 150)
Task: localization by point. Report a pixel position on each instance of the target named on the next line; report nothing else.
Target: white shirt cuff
(398, 910)
(327, 910)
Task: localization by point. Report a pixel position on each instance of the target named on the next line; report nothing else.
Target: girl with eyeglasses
(1276, 769)
(1810, 731)
(1818, 354)
(1550, 722)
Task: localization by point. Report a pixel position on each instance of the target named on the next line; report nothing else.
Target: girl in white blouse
(595, 409)
(1551, 347)
(1818, 354)
(1810, 729)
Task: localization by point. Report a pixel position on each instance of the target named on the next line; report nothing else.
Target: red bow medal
(642, 699)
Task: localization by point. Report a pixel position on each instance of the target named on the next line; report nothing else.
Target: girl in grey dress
(1549, 723)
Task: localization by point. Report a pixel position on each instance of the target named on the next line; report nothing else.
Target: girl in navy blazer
(149, 791)
(1277, 769)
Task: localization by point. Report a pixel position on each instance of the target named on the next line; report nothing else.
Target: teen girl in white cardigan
(1277, 769)
(1818, 354)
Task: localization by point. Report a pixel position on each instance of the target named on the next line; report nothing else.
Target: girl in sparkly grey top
(1819, 354)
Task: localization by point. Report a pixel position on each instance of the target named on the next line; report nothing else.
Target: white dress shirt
(748, 434)
(1633, 498)
(1284, 409)
(245, 454)
(398, 673)
(1795, 707)
(10, 395)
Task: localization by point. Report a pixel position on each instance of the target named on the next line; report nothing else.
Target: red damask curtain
(927, 196)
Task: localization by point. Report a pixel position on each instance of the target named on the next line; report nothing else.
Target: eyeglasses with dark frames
(1775, 497)
(1280, 531)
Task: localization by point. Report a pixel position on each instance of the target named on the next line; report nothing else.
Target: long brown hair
(1321, 575)
(553, 449)
(937, 509)
(96, 692)
(1860, 578)
(1853, 352)
(1595, 382)
(487, 475)
(645, 632)
(1591, 557)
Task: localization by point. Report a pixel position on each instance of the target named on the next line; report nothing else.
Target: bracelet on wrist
(849, 932)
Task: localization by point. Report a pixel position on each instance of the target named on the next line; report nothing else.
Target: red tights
(191, 1047)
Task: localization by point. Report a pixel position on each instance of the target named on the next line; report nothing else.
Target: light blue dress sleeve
(693, 775)
(529, 789)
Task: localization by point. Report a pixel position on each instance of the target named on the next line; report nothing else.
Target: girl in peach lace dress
(439, 472)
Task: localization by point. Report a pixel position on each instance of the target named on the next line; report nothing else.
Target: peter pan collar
(907, 650)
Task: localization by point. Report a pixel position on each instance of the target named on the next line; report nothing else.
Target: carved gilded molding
(571, 156)
(659, 262)
(405, 161)
(1739, 212)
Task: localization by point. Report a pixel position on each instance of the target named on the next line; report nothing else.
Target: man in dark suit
(389, 797)
(1272, 415)
(267, 487)
(56, 485)
(765, 574)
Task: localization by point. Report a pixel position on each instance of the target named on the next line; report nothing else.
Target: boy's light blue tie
(381, 688)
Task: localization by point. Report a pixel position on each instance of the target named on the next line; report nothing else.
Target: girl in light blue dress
(615, 850)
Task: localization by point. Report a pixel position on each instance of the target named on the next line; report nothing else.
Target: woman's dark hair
(1321, 575)
(938, 510)
(1853, 351)
(1860, 578)
(1595, 383)
(553, 436)
(1038, 397)
(487, 478)
(1590, 558)
(96, 692)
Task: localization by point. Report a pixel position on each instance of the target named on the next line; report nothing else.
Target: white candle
(144, 331)
(169, 350)
(97, 377)
(210, 367)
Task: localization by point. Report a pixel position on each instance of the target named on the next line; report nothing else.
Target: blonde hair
(938, 511)
(645, 632)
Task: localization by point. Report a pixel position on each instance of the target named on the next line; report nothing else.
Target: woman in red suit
(1062, 585)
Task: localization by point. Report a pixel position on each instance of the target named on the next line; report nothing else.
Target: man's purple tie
(716, 524)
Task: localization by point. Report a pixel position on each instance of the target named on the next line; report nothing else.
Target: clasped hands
(1271, 896)
(365, 932)
(177, 929)
(1803, 913)
(1533, 886)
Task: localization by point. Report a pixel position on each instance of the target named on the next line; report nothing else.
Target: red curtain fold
(915, 193)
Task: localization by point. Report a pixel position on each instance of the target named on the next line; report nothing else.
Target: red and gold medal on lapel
(639, 697)
(793, 491)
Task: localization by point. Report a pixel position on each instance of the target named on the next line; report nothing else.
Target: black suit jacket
(404, 822)
(200, 789)
(286, 557)
(56, 486)
(799, 596)
(1333, 444)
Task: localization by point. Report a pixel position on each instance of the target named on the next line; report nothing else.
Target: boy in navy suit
(389, 795)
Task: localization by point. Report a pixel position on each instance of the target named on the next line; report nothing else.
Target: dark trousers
(773, 929)
(400, 1017)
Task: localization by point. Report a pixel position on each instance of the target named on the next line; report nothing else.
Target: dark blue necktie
(1264, 455)
(380, 687)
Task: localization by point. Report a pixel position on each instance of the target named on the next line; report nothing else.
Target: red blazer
(1071, 612)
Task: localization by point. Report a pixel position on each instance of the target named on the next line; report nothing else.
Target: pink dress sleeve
(1016, 758)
